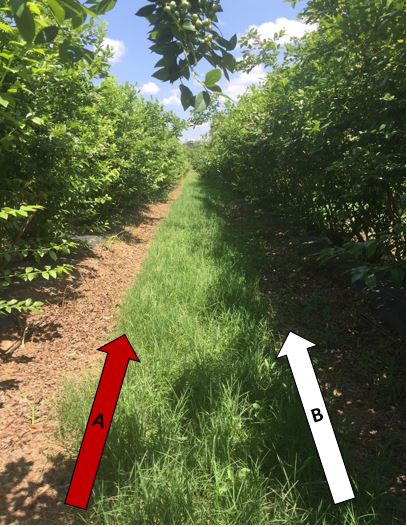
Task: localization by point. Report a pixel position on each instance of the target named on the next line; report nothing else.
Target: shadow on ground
(31, 503)
(14, 327)
(359, 362)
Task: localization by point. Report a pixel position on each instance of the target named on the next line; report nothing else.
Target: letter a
(99, 421)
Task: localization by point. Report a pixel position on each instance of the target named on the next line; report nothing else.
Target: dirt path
(62, 341)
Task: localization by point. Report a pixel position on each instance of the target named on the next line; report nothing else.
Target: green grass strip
(208, 428)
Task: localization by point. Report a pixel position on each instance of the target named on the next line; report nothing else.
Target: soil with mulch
(79, 315)
(360, 360)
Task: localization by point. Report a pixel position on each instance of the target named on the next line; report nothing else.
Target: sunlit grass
(209, 428)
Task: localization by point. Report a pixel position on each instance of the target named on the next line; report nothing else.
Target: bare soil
(59, 343)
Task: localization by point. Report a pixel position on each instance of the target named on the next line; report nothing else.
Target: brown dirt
(60, 342)
(359, 361)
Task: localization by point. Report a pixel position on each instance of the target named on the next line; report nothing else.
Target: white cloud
(292, 28)
(150, 88)
(195, 133)
(117, 47)
(173, 99)
(239, 83)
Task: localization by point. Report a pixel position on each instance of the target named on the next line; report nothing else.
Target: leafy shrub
(88, 151)
(14, 251)
(323, 139)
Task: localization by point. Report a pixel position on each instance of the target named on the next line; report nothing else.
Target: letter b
(316, 414)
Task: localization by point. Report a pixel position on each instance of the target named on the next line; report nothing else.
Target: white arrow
(296, 350)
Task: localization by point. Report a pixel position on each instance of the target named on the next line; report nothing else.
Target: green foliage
(72, 140)
(22, 306)
(323, 139)
(29, 16)
(184, 33)
(13, 252)
(194, 152)
(102, 151)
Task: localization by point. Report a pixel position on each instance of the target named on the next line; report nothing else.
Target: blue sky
(133, 61)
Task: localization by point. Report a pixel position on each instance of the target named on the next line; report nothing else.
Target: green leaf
(4, 102)
(229, 61)
(359, 273)
(215, 88)
(18, 7)
(213, 77)
(187, 97)
(58, 10)
(4, 27)
(202, 101)
(26, 25)
(78, 20)
(70, 52)
(37, 120)
(103, 6)
(71, 8)
(189, 26)
(163, 74)
(146, 11)
(231, 43)
(47, 34)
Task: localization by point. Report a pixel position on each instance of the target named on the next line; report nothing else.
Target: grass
(209, 428)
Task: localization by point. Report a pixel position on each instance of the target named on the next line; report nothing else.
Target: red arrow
(119, 352)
